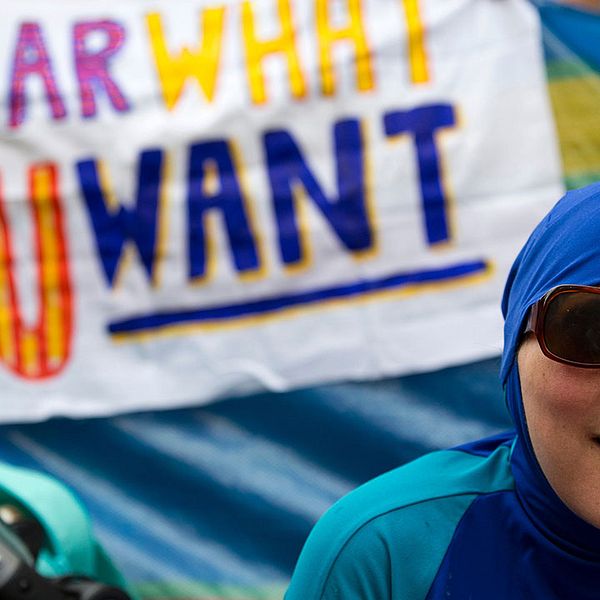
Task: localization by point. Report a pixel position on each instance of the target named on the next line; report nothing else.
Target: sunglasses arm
(532, 319)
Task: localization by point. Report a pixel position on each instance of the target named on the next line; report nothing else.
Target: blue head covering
(563, 249)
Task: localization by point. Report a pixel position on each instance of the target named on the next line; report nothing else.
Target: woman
(512, 517)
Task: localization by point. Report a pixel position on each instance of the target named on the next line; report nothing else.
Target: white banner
(202, 199)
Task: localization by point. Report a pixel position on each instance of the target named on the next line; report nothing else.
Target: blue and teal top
(451, 524)
(477, 522)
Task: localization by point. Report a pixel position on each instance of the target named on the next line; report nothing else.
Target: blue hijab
(564, 248)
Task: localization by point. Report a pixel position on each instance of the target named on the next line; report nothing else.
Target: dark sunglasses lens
(572, 327)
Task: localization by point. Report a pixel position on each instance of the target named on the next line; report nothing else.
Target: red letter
(41, 349)
(92, 66)
(31, 58)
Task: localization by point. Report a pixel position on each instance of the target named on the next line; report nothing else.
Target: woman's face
(562, 408)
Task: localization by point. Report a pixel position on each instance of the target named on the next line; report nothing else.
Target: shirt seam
(476, 494)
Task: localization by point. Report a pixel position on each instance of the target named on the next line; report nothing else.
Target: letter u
(41, 349)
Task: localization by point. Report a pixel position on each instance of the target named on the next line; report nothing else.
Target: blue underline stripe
(270, 305)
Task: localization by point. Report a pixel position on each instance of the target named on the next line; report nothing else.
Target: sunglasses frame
(537, 317)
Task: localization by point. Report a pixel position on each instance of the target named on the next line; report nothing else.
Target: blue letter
(113, 227)
(227, 198)
(346, 214)
(423, 122)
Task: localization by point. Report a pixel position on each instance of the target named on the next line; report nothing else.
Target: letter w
(201, 64)
(115, 225)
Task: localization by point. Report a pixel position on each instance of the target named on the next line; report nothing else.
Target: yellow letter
(256, 50)
(354, 32)
(417, 56)
(202, 63)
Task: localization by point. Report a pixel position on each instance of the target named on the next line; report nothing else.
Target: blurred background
(212, 496)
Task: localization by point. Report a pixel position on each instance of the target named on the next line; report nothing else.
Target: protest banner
(205, 199)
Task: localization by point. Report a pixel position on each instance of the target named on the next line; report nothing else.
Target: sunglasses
(566, 323)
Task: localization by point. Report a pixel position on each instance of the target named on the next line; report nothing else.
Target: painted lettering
(91, 66)
(116, 226)
(257, 50)
(354, 33)
(417, 53)
(423, 123)
(214, 185)
(31, 58)
(289, 174)
(40, 350)
(201, 64)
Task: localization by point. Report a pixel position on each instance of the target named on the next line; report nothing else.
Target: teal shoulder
(391, 533)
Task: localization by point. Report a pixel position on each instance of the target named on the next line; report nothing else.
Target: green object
(71, 547)
(404, 518)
